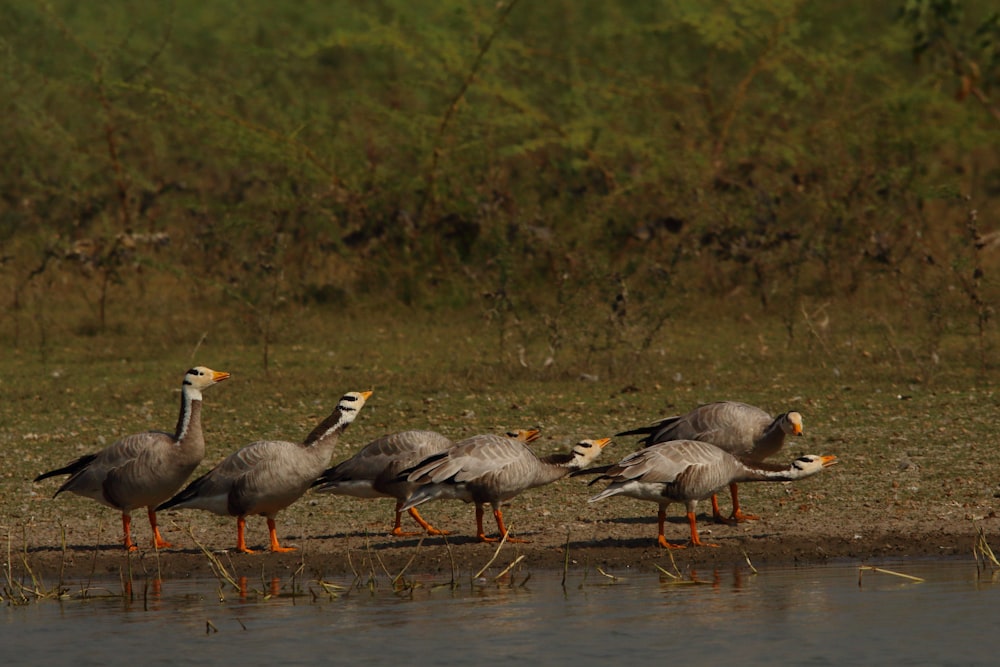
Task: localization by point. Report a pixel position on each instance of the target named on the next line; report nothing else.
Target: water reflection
(814, 615)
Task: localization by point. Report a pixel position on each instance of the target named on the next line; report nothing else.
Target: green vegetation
(588, 181)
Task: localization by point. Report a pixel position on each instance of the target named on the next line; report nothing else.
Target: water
(817, 615)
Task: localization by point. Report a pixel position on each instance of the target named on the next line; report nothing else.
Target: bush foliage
(599, 167)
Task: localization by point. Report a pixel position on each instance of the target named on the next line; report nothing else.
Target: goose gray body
(373, 471)
(492, 469)
(144, 469)
(688, 471)
(745, 431)
(267, 476)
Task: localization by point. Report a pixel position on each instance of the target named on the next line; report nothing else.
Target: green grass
(905, 447)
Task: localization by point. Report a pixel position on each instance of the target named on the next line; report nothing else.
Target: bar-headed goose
(373, 471)
(742, 430)
(267, 476)
(492, 469)
(688, 471)
(144, 469)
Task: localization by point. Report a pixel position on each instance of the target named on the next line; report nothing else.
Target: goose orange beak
(527, 434)
(219, 376)
(828, 460)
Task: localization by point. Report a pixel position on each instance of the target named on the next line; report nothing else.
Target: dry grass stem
(503, 540)
(509, 567)
(982, 551)
(408, 563)
(220, 570)
(882, 570)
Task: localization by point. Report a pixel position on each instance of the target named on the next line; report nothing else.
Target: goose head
(342, 416)
(791, 423)
(810, 464)
(200, 378)
(586, 452)
(350, 404)
(524, 434)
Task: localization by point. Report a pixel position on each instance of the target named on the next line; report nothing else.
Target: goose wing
(146, 471)
(665, 462)
(112, 475)
(678, 470)
(229, 486)
(387, 455)
(723, 424)
(732, 425)
(473, 459)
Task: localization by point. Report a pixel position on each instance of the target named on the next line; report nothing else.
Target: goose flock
(682, 459)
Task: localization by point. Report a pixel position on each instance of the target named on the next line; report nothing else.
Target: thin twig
(510, 567)
(220, 570)
(496, 553)
(408, 563)
(566, 561)
(872, 568)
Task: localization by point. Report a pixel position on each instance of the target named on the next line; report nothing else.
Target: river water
(815, 615)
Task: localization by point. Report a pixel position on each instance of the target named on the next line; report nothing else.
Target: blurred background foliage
(575, 174)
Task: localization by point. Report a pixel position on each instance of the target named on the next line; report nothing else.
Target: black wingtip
(645, 430)
(591, 471)
(70, 469)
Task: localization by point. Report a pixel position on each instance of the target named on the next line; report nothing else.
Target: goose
(267, 476)
(688, 471)
(492, 469)
(144, 469)
(742, 430)
(372, 472)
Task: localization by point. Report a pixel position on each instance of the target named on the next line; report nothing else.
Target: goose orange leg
(127, 529)
(272, 532)
(717, 513)
(157, 538)
(498, 515)
(398, 531)
(397, 527)
(661, 518)
(738, 514)
(241, 542)
(695, 540)
(481, 534)
(431, 530)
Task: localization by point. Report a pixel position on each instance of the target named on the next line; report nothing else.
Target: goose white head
(350, 404)
(791, 423)
(586, 452)
(346, 411)
(200, 378)
(810, 464)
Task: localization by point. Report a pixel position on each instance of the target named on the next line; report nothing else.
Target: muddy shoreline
(355, 554)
